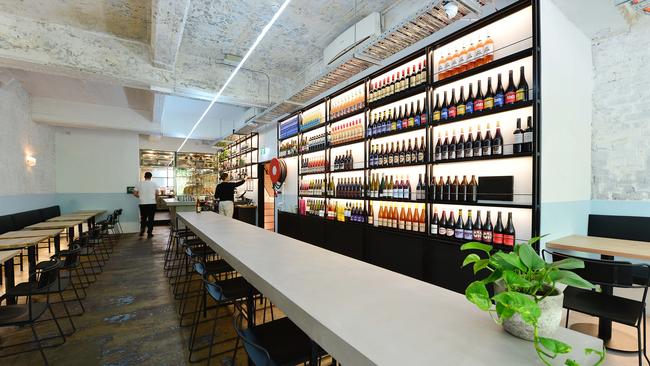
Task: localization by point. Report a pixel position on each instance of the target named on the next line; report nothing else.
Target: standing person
(146, 192)
(225, 194)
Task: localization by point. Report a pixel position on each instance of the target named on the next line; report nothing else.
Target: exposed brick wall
(621, 114)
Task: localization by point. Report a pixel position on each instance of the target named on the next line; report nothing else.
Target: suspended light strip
(234, 72)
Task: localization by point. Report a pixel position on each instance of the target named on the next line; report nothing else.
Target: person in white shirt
(146, 192)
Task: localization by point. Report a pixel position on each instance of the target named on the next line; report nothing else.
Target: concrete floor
(132, 318)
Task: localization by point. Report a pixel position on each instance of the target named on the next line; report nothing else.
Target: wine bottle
(440, 189)
(460, 107)
(487, 142)
(419, 189)
(511, 90)
(499, 94)
(404, 155)
(473, 190)
(402, 219)
(498, 231)
(405, 121)
(479, 100)
(469, 102)
(468, 229)
(437, 109)
(478, 143)
(452, 105)
(415, 223)
(445, 147)
(518, 137)
(451, 224)
(522, 87)
(488, 102)
(423, 114)
(487, 230)
(460, 145)
(509, 233)
(447, 188)
(452, 146)
(528, 135)
(444, 110)
(438, 149)
(455, 190)
(464, 190)
(434, 223)
(408, 222)
(416, 117)
(459, 233)
(469, 144)
(442, 225)
(497, 142)
(478, 227)
(421, 150)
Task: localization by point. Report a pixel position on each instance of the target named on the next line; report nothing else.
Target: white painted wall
(172, 144)
(566, 85)
(20, 137)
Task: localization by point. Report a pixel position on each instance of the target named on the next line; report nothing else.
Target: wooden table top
(604, 246)
(8, 254)
(70, 217)
(54, 225)
(92, 212)
(31, 233)
(17, 243)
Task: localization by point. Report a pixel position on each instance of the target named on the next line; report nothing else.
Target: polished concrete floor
(131, 318)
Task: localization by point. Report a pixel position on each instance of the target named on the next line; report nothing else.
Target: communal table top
(69, 217)
(17, 243)
(54, 225)
(604, 246)
(363, 314)
(8, 254)
(92, 212)
(30, 233)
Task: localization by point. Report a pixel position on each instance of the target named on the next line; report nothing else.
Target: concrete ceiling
(129, 19)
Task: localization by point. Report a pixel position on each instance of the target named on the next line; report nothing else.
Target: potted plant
(526, 302)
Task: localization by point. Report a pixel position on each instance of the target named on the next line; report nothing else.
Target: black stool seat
(285, 343)
(19, 314)
(234, 288)
(202, 251)
(217, 267)
(23, 288)
(618, 309)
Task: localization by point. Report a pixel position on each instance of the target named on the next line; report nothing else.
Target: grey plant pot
(548, 322)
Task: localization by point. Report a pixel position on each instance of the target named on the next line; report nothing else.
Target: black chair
(277, 343)
(610, 274)
(30, 312)
(71, 262)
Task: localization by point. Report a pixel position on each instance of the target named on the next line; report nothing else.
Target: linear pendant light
(234, 72)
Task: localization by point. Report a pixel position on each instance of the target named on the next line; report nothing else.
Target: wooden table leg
(31, 259)
(70, 235)
(9, 279)
(57, 243)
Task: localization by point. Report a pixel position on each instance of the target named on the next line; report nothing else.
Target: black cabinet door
(442, 262)
(288, 224)
(311, 229)
(346, 239)
(399, 252)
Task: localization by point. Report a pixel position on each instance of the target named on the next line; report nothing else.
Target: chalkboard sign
(130, 189)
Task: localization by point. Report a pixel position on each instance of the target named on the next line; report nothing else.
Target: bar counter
(363, 314)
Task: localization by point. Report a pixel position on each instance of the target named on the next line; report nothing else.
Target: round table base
(620, 341)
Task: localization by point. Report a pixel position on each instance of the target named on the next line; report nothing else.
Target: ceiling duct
(423, 23)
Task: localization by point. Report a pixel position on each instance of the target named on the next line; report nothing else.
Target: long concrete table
(363, 314)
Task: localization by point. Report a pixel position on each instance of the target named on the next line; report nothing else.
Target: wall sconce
(30, 161)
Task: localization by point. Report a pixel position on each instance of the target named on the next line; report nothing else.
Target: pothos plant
(527, 279)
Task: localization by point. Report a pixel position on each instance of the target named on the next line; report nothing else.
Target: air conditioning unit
(367, 27)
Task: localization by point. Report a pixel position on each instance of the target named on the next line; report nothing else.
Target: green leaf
(554, 346)
(509, 261)
(504, 312)
(571, 363)
(571, 279)
(522, 304)
(482, 264)
(477, 246)
(569, 263)
(516, 281)
(471, 259)
(477, 294)
(497, 274)
(530, 258)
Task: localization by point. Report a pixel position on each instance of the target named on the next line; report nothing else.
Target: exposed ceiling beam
(167, 24)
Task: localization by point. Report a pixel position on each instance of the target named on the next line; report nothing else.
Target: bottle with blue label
(444, 111)
(500, 94)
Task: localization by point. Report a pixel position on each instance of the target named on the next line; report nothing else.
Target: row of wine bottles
(453, 191)
(311, 118)
(313, 165)
(468, 229)
(343, 162)
(347, 103)
(397, 82)
(288, 148)
(347, 212)
(467, 59)
(289, 128)
(387, 121)
(404, 219)
(313, 143)
(475, 103)
(384, 155)
(312, 187)
(473, 147)
(346, 132)
(345, 188)
(399, 188)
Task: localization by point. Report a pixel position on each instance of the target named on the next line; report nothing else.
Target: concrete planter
(548, 322)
